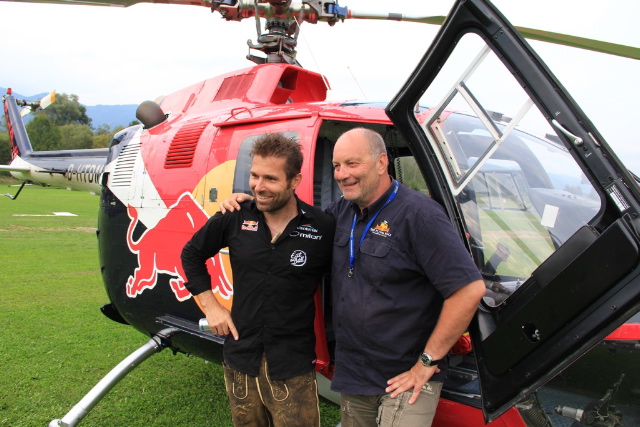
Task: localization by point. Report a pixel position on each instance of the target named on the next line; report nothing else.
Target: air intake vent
(234, 87)
(123, 170)
(183, 146)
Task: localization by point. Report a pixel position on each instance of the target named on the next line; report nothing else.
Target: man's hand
(233, 202)
(415, 378)
(455, 316)
(219, 319)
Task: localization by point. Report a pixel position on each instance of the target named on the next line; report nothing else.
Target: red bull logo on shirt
(250, 225)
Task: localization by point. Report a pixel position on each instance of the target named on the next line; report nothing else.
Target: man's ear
(295, 181)
(383, 163)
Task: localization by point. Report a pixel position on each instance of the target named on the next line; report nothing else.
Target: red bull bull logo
(158, 250)
(250, 225)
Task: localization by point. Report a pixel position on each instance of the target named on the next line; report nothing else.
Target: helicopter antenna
(358, 84)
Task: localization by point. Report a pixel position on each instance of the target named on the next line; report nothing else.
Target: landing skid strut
(91, 399)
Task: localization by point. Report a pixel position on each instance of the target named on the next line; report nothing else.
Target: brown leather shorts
(260, 401)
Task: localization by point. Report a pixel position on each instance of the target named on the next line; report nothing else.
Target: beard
(276, 201)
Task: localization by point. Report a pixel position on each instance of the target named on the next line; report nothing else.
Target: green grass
(528, 241)
(55, 344)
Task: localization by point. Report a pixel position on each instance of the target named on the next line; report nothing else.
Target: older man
(404, 290)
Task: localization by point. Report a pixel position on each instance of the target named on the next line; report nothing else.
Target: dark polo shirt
(410, 261)
(273, 284)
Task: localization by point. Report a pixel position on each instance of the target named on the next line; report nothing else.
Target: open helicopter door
(551, 217)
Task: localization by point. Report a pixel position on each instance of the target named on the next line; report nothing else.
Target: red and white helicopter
(550, 215)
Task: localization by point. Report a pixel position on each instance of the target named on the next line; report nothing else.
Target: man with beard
(269, 351)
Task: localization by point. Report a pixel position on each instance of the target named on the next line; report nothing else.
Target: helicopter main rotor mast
(283, 20)
(282, 26)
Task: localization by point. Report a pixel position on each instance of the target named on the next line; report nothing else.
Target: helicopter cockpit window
(520, 191)
(408, 173)
(243, 162)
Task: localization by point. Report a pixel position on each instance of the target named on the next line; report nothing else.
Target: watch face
(426, 359)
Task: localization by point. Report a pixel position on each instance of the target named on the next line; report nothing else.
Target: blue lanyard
(352, 252)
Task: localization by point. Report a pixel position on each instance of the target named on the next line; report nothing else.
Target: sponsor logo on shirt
(382, 229)
(298, 258)
(307, 228)
(306, 231)
(250, 225)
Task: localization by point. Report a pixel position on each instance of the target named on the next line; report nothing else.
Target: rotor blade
(115, 3)
(434, 20)
(26, 110)
(529, 33)
(581, 42)
(48, 99)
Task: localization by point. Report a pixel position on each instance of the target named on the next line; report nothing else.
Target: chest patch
(250, 226)
(382, 229)
(298, 258)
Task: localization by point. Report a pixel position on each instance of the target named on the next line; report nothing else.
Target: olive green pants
(383, 411)
(262, 402)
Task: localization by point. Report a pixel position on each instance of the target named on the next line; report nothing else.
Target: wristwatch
(427, 360)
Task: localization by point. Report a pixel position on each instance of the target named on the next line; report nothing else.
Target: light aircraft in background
(76, 169)
(543, 204)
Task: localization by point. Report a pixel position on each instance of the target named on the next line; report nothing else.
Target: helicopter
(74, 169)
(550, 217)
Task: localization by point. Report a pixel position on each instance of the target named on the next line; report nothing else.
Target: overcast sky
(112, 55)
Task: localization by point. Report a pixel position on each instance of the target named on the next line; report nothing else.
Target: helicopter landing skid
(91, 399)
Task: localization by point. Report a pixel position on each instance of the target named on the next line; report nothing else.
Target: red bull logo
(158, 250)
(250, 225)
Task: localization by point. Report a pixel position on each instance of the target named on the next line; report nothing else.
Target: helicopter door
(545, 207)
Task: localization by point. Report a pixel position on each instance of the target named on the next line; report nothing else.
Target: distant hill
(112, 115)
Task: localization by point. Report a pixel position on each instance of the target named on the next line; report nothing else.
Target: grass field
(55, 344)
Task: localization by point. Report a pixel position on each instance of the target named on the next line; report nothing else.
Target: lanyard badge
(352, 252)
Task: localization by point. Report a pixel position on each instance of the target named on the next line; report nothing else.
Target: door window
(521, 193)
(243, 162)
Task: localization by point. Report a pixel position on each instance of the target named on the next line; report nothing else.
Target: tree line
(64, 125)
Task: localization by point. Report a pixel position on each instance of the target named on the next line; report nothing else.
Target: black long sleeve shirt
(273, 284)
